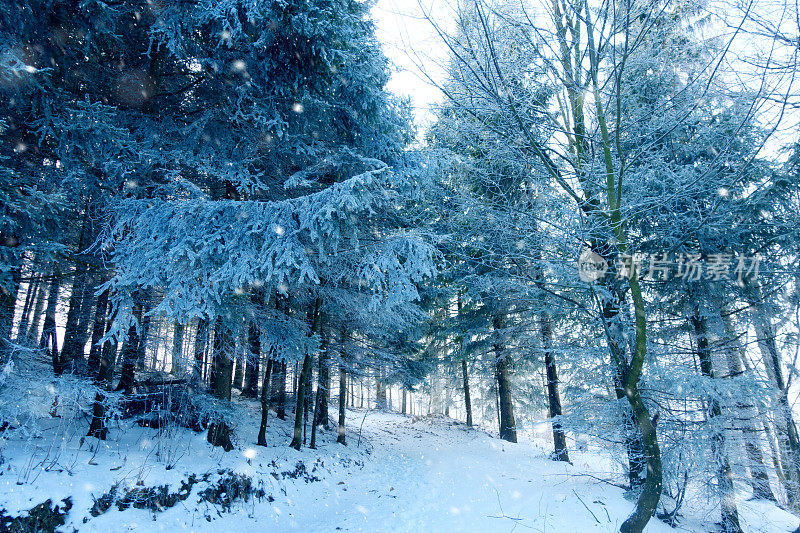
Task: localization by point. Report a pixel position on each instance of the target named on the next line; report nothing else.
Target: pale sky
(412, 45)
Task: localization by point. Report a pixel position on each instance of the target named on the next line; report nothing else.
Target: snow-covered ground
(405, 474)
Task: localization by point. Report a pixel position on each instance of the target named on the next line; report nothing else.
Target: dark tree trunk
(98, 330)
(341, 437)
(72, 351)
(323, 387)
(8, 302)
(380, 390)
(730, 515)
(30, 299)
(200, 343)
(130, 354)
(508, 427)
(281, 392)
(297, 439)
(49, 338)
(238, 368)
(553, 398)
(309, 393)
(177, 348)
(32, 334)
(467, 399)
(404, 408)
(265, 394)
(251, 362)
(104, 376)
(222, 362)
(303, 380)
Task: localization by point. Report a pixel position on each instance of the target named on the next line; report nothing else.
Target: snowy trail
(406, 475)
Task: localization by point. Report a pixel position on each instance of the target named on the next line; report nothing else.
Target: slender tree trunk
(32, 334)
(341, 437)
(265, 396)
(105, 373)
(380, 390)
(730, 515)
(252, 359)
(759, 475)
(98, 330)
(297, 439)
(72, 350)
(303, 381)
(467, 399)
(222, 360)
(30, 298)
(8, 303)
(281, 411)
(200, 342)
(508, 427)
(130, 354)
(560, 452)
(49, 338)
(323, 387)
(788, 441)
(177, 349)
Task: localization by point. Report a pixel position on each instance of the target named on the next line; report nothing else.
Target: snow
(397, 473)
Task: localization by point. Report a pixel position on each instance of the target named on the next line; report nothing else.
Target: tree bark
(788, 440)
(98, 330)
(467, 399)
(341, 437)
(560, 452)
(251, 368)
(177, 348)
(130, 354)
(508, 426)
(49, 338)
(265, 396)
(200, 343)
(32, 334)
(730, 515)
(222, 360)
(34, 286)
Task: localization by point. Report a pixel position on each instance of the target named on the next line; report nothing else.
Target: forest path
(436, 475)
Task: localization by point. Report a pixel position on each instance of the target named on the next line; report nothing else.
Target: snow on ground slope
(405, 474)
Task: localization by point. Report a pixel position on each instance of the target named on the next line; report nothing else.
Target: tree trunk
(560, 452)
(49, 338)
(177, 349)
(404, 407)
(788, 442)
(130, 354)
(265, 396)
(8, 303)
(323, 387)
(340, 437)
(467, 399)
(104, 376)
(508, 427)
(297, 439)
(251, 368)
(759, 476)
(730, 515)
(281, 393)
(380, 390)
(222, 361)
(34, 286)
(98, 330)
(200, 342)
(32, 334)
(72, 351)
(303, 381)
